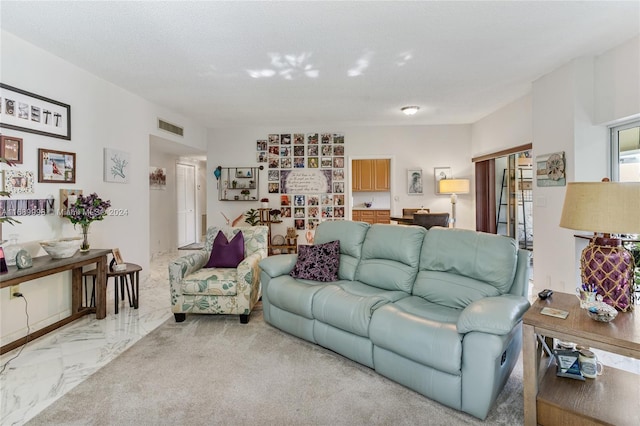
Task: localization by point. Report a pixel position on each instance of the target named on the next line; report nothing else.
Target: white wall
(102, 115)
(505, 128)
(163, 208)
(566, 111)
(410, 147)
(617, 87)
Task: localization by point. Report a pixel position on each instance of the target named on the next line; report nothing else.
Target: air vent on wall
(176, 130)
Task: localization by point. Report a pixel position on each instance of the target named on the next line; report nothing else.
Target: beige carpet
(213, 370)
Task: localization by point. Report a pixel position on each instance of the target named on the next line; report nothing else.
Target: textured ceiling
(230, 64)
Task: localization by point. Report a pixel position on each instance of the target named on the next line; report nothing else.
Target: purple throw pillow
(319, 262)
(226, 254)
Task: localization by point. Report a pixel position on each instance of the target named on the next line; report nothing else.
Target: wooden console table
(44, 266)
(611, 398)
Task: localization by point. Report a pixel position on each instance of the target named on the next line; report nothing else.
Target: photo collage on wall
(308, 172)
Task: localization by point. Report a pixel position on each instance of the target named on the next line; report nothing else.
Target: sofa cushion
(293, 295)
(489, 258)
(224, 253)
(351, 235)
(411, 334)
(319, 262)
(349, 312)
(449, 289)
(391, 256)
(217, 282)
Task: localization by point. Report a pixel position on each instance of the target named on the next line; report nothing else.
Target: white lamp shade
(454, 186)
(606, 207)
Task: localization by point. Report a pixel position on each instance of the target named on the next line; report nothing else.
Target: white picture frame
(116, 166)
(415, 185)
(440, 173)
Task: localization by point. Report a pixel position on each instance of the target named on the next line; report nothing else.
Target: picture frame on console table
(28, 112)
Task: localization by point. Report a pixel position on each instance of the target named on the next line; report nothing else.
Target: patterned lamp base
(608, 266)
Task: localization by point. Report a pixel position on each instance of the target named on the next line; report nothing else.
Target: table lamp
(605, 208)
(454, 187)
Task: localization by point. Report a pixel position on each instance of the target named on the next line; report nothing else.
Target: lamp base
(608, 266)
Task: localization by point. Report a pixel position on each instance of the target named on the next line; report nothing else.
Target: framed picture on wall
(28, 112)
(440, 173)
(414, 182)
(56, 166)
(11, 149)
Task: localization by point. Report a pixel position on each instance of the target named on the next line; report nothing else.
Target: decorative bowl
(62, 247)
(601, 312)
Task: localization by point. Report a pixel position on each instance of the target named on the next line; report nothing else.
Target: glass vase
(84, 247)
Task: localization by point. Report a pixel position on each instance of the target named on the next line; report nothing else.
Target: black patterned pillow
(319, 262)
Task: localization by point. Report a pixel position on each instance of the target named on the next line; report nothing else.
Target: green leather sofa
(438, 311)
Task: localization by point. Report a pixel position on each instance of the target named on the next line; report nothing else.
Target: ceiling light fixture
(410, 110)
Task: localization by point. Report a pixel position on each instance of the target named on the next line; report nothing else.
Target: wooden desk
(611, 398)
(44, 266)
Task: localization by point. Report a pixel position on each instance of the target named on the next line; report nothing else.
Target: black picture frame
(27, 112)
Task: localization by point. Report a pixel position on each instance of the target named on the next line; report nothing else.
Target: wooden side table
(129, 278)
(611, 398)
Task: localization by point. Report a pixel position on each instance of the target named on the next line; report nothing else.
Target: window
(625, 146)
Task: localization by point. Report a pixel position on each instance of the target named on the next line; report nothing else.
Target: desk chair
(429, 220)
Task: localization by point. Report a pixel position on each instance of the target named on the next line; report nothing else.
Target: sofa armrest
(282, 264)
(494, 315)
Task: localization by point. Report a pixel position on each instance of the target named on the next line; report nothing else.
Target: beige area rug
(213, 370)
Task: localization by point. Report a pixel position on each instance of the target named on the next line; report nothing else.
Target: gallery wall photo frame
(18, 181)
(440, 173)
(415, 185)
(56, 166)
(28, 112)
(11, 149)
(116, 166)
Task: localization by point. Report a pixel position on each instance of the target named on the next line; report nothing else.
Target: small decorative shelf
(239, 183)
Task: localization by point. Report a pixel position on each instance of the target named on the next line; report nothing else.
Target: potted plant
(275, 215)
(252, 217)
(84, 211)
(246, 193)
(234, 183)
(265, 203)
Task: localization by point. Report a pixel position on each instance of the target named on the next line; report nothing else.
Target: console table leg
(530, 363)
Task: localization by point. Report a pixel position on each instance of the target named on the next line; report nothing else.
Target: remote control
(545, 293)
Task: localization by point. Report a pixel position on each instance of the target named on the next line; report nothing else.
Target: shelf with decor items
(238, 183)
(610, 398)
(278, 244)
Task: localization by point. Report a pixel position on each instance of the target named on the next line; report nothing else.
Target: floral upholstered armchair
(199, 290)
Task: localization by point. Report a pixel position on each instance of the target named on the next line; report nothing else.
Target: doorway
(504, 194)
(514, 197)
(186, 201)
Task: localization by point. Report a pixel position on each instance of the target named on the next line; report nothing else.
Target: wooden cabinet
(371, 216)
(371, 175)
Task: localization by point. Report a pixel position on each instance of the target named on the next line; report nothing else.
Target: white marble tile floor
(55, 363)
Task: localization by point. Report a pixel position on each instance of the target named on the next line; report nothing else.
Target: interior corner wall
(163, 208)
(102, 115)
(409, 147)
